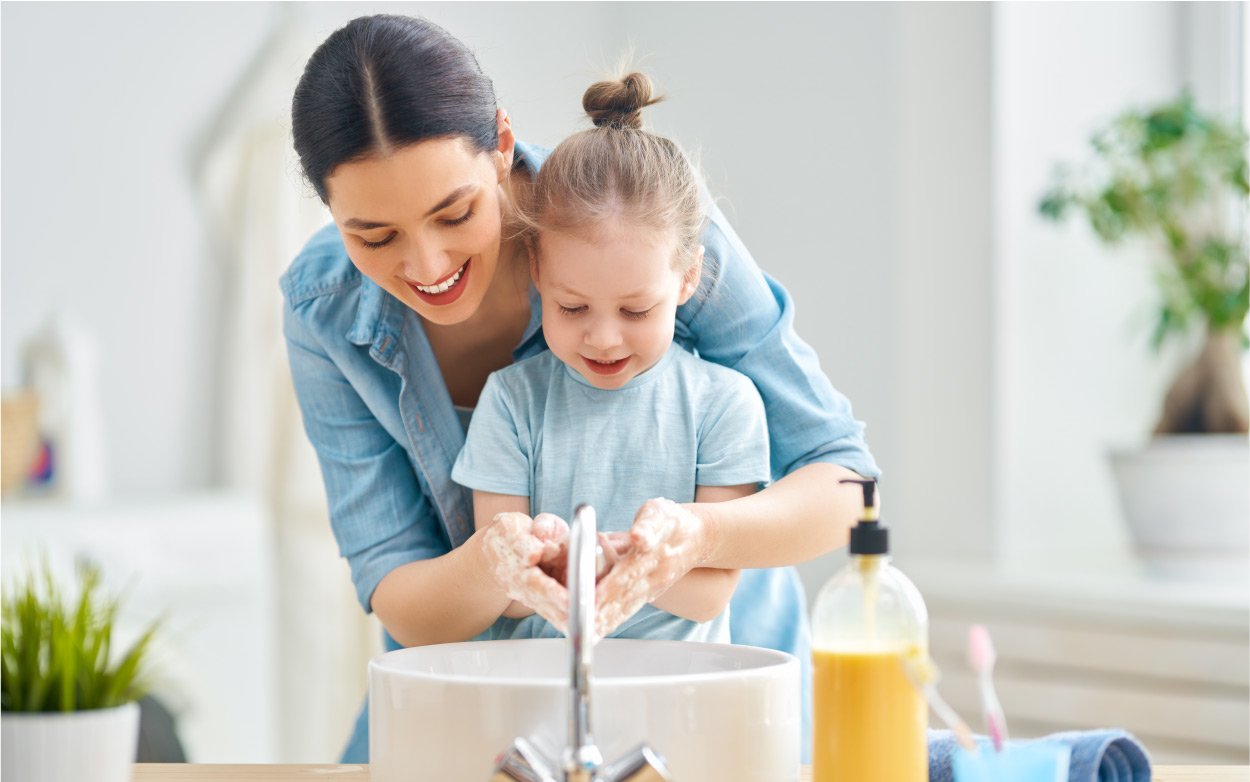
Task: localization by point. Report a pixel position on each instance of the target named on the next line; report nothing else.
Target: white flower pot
(1187, 501)
(97, 745)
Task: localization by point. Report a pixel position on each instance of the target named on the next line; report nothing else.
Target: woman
(396, 314)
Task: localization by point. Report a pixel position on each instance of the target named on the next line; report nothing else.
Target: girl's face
(609, 303)
(424, 222)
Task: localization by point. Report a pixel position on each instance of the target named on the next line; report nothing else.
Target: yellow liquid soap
(869, 720)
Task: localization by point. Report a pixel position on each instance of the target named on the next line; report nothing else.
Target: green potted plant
(1177, 178)
(69, 708)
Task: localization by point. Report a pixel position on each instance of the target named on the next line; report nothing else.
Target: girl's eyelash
(631, 314)
(375, 245)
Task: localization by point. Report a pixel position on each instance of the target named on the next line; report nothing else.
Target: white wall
(1075, 373)
(103, 107)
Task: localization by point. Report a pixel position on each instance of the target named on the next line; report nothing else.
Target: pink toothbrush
(981, 656)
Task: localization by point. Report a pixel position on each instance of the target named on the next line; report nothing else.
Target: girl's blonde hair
(617, 171)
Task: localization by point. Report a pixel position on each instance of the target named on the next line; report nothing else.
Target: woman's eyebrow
(451, 198)
(364, 225)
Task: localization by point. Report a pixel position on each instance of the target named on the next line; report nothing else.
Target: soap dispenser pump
(870, 721)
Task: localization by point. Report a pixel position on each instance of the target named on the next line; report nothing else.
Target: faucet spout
(582, 758)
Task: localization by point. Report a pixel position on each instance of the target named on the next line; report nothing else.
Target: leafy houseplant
(69, 700)
(1178, 178)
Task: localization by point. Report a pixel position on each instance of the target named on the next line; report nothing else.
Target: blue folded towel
(1095, 756)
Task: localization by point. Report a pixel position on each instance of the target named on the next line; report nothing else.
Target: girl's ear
(690, 280)
(506, 152)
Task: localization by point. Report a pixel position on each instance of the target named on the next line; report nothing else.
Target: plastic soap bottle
(868, 622)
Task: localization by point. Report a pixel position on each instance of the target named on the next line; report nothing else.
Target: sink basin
(714, 711)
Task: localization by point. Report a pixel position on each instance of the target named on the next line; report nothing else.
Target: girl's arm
(486, 505)
(703, 593)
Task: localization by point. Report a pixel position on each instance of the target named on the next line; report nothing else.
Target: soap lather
(582, 761)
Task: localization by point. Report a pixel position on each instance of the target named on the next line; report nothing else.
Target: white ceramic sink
(713, 711)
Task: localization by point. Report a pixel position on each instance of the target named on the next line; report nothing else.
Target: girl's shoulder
(707, 379)
(527, 379)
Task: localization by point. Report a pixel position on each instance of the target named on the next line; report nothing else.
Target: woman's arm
(464, 598)
(802, 516)
(743, 319)
(384, 525)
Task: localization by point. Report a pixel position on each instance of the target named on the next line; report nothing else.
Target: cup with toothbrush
(1033, 762)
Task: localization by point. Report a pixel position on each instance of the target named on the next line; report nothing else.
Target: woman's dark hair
(381, 83)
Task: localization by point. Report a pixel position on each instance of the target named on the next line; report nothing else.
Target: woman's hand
(524, 554)
(665, 543)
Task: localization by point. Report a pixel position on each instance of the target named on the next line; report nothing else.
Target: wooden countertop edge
(193, 772)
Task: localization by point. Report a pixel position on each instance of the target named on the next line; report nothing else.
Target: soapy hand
(665, 543)
(527, 558)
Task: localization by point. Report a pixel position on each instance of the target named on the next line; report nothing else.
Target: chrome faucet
(582, 761)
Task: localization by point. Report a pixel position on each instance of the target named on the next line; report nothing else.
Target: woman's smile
(446, 290)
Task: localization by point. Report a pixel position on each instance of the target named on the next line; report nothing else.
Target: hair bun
(619, 103)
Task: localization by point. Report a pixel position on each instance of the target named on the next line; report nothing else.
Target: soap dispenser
(868, 622)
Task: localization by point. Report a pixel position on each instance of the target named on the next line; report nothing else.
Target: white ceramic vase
(1187, 501)
(97, 745)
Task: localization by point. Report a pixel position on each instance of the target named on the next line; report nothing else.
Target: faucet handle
(642, 765)
(521, 762)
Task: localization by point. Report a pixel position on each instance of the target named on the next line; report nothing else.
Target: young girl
(615, 412)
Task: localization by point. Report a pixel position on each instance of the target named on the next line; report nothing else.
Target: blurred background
(883, 161)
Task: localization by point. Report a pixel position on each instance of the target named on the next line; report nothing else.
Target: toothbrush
(924, 674)
(981, 656)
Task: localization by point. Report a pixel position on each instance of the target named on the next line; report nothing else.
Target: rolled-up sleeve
(743, 319)
(380, 517)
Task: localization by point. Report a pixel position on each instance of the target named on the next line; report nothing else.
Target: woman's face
(609, 302)
(424, 222)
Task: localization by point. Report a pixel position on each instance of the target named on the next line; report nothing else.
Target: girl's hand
(520, 552)
(665, 543)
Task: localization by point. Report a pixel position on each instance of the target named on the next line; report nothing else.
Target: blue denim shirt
(386, 433)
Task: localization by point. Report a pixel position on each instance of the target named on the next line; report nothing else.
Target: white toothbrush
(924, 675)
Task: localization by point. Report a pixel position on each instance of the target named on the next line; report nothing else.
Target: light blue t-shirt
(542, 430)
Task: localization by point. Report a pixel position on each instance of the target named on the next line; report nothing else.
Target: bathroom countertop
(187, 772)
